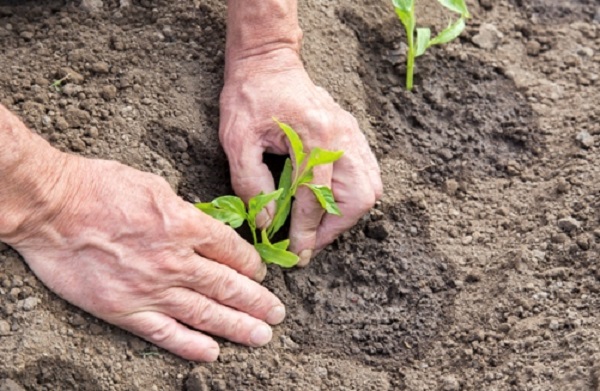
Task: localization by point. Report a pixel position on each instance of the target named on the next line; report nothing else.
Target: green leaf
(234, 219)
(257, 203)
(231, 203)
(405, 10)
(271, 254)
(320, 156)
(307, 177)
(458, 6)
(423, 37)
(283, 245)
(404, 5)
(325, 197)
(450, 33)
(285, 180)
(280, 217)
(295, 142)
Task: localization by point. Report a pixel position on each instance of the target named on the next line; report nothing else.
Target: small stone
(554, 325)
(108, 92)
(533, 48)
(569, 224)
(560, 238)
(61, 124)
(77, 320)
(30, 303)
(489, 37)
(76, 117)
(77, 145)
(451, 187)
(378, 230)
(446, 154)
(100, 68)
(10, 385)
(449, 383)
(92, 5)
(585, 139)
(4, 328)
(27, 35)
(467, 240)
(70, 75)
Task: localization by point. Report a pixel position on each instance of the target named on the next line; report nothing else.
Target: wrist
(260, 31)
(33, 181)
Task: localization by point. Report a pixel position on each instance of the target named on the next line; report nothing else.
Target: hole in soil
(464, 119)
(378, 301)
(559, 11)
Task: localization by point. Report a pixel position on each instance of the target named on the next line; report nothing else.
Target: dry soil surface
(478, 270)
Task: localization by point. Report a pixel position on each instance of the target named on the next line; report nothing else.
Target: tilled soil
(478, 270)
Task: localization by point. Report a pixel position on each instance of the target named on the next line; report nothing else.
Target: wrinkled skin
(120, 244)
(257, 89)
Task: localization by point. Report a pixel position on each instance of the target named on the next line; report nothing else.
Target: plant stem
(410, 66)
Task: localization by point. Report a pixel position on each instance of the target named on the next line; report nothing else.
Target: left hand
(276, 85)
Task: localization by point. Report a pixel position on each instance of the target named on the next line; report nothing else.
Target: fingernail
(212, 354)
(261, 335)
(276, 315)
(305, 256)
(261, 273)
(263, 220)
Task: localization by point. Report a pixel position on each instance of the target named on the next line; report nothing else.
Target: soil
(477, 270)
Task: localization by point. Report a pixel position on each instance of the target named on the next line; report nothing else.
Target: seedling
(405, 9)
(57, 84)
(297, 171)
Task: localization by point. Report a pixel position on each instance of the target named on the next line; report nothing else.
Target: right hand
(124, 247)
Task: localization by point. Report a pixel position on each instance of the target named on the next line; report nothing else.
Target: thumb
(307, 214)
(250, 176)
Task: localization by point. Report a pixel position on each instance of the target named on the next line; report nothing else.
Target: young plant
(405, 9)
(297, 171)
(57, 84)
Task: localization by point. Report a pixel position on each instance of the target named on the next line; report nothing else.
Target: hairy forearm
(260, 28)
(29, 174)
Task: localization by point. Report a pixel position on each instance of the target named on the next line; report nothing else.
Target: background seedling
(405, 9)
(297, 171)
(57, 84)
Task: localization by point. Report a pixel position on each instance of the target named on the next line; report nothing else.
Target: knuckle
(162, 332)
(202, 312)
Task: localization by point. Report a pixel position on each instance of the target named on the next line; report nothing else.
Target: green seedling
(57, 84)
(297, 171)
(405, 9)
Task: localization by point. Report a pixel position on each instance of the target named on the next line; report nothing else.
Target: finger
(211, 317)
(225, 286)
(220, 243)
(306, 216)
(354, 195)
(167, 333)
(250, 176)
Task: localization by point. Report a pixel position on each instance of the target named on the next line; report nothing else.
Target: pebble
(449, 383)
(378, 230)
(569, 224)
(533, 48)
(489, 37)
(10, 385)
(560, 238)
(27, 35)
(585, 139)
(108, 92)
(92, 5)
(100, 68)
(4, 328)
(451, 187)
(30, 303)
(76, 117)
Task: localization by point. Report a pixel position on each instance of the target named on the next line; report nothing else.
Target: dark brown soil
(478, 270)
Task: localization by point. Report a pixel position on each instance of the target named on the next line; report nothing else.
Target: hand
(125, 248)
(276, 85)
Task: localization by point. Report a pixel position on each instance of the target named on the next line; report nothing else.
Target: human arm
(142, 259)
(265, 78)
